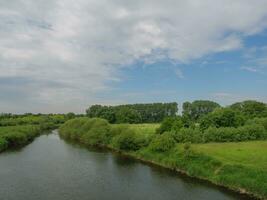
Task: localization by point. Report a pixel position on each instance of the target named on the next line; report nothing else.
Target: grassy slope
(144, 129)
(239, 166)
(249, 154)
(19, 135)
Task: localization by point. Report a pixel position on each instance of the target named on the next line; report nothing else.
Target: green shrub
(230, 134)
(3, 144)
(193, 135)
(170, 124)
(253, 132)
(162, 143)
(91, 131)
(128, 140)
(260, 121)
(15, 138)
(119, 129)
(222, 117)
(72, 128)
(98, 133)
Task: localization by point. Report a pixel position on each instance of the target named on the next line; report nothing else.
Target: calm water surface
(51, 169)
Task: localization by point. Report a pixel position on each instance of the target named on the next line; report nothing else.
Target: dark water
(51, 169)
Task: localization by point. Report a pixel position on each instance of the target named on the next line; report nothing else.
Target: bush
(260, 121)
(3, 144)
(98, 132)
(128, 140)
(162, 143)
(15, 138)
(223, 117)
(229, 134)
(91, 131)
(193, 135)
(170, 124)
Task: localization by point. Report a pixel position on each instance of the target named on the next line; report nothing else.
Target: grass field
(250, 154)
(145, 129)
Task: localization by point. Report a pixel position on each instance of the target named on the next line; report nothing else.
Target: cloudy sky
(63, 55)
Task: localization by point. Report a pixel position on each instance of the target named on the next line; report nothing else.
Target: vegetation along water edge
(197, 152)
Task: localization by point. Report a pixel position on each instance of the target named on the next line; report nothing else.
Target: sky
(59, 56)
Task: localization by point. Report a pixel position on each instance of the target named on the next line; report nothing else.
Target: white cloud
(79, 45)
(250, 69)
(179, 73)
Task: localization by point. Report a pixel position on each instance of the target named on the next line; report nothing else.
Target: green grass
(17, 135)
(249, 154)
(144, 129)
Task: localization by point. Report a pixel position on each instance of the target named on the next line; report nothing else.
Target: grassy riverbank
(13, 134)
(238, 166)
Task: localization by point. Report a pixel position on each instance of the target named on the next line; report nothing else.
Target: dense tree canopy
(250, 108)
(222, 117)
(197, 109)
(134, 113)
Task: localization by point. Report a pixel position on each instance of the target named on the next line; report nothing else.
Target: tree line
(207, 121)
(134, 113)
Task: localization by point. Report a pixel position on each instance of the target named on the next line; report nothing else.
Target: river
(51, 169)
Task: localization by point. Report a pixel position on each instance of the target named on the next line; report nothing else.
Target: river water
(51, 169)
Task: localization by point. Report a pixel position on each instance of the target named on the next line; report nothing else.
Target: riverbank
(242, 177)
(21, 135)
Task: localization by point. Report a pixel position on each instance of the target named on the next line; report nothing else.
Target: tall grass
(18, 135)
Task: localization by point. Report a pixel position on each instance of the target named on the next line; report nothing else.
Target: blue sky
(225, 77)
(64, 55)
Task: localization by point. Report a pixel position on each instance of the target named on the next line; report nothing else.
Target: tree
(199, 108)
(70, 115)
(147, 113)
(171, 124)
(251, 108)
(222, 117)
(127, 115)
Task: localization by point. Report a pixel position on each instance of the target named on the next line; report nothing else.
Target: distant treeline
(195, 112)
(134, 113)
(8, 119)
(207, 121)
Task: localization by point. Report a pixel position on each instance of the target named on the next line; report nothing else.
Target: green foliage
(193, 135)
(230, 134)
(3, 144)
(128, 140)
(187, 149)
(12, 136)
(133, 113)
(93, 131)
(18, 130)
(199, 108)
(260, 121)
(70, 115)
(73, 128)
(222, 117)
(44, 120)
(170, 124)
(98, 133)
(235, 165)
(128, 115)
(251, 109)
(162, 143)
